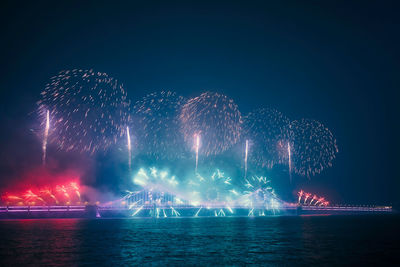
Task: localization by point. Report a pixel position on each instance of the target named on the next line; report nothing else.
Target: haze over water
(292, 240)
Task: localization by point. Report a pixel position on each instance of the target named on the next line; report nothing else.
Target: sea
(363, 240)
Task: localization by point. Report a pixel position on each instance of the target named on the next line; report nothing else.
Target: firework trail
(13, 198)
(197, 146)
(46, 135)
(290, 161)
(128, 137)
(89, 110)
(245, 158)
(313, 199)
(320, 201)
(306, 196)
(300, 194)
(214, 116)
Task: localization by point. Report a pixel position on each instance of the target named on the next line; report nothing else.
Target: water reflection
(196, 241)
(37, 242)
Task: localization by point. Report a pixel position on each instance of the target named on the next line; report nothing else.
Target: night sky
(333, 61)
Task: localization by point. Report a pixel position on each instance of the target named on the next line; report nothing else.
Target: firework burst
(89, 110)
(216, 188)
(259, 195)
(267, 130)
(314, 147)
(215, 118)
(156, 125)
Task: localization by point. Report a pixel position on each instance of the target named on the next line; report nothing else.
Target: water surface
(283, 241)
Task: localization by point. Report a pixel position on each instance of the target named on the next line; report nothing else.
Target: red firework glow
(314, 201)
(42, 186)
(64, 194)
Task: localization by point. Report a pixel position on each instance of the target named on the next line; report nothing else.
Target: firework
(320, 201)
(197, 212)
(46, 196)
(137, 211)
(47, 192)
(314, 147)
(259, 195)
(89, 110)
(159, 189)
(74, 186)
(306, 196)
(300, 194)
(213, 116)
(267, 129)
(314, 201)
(156, 121)
(31, 197)
(209, 190)
(159, 182)
(62, 190)
(13, 198)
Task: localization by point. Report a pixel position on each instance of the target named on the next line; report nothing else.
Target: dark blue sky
(333, 61)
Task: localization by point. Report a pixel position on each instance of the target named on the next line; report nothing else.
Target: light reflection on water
(200, 241)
